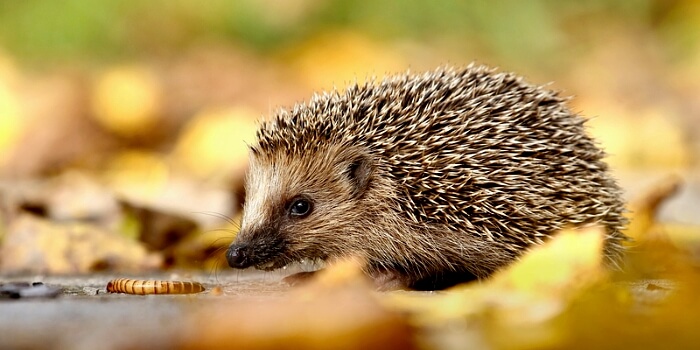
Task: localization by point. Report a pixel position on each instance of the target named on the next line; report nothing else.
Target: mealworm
(143, 287)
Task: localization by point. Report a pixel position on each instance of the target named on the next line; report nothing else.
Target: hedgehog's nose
(237, 256)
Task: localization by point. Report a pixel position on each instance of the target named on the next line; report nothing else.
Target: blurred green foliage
(42, 30)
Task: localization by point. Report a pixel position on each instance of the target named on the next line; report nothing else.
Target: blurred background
(123, 123)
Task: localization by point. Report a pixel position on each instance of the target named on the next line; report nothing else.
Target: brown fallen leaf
(68, 196)
(659, 249)
(35, 245)
(205, 250)
(645, 208)
(159, 229)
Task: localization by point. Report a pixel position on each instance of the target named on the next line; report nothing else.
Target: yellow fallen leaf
(683, 236)
(535, 288)
(571, 260)
(12, 123)
(215, 142)
(335, 59)
(137, 174)
(127, 100)
(528, 297)
(669, 149)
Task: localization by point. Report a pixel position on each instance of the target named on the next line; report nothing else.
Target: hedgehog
(432, 179)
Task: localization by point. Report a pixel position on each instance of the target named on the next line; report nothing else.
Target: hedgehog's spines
(463, 159)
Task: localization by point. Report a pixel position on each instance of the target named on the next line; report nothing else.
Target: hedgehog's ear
(359, 171)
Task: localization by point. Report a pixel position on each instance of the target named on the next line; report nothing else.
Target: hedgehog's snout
(263, 249)
(238, 256)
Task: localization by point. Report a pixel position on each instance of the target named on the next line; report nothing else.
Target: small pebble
(16, 290)
(90, 290)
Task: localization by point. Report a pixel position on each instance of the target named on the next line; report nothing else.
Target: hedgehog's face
(301, 207)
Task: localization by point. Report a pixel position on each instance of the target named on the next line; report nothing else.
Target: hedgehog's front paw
(299, 278)
(387, 280)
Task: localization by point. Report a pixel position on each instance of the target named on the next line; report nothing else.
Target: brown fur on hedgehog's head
(303, 206)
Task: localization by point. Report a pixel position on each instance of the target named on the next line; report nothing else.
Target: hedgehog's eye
(301, 207)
